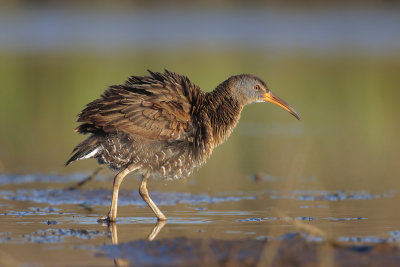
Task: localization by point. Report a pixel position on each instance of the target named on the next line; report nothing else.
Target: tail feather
(89, 148)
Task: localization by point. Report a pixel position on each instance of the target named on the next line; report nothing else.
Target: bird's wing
(156, 107)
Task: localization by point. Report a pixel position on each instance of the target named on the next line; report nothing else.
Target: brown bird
(163, 125)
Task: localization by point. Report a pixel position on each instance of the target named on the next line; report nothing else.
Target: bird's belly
(160, 160)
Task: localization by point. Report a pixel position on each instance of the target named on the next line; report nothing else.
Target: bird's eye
(257, 87)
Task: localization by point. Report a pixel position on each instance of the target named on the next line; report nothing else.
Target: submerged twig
(87, 179)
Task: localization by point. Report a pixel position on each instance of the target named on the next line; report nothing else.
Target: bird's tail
(89, 148)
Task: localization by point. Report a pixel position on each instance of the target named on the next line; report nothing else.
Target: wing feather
(159, 106)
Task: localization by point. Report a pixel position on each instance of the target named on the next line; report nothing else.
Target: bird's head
(249, 89)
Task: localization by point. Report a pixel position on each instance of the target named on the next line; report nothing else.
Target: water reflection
(340, 216)
(112, 227)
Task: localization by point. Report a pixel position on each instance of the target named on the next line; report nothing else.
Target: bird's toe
(103, 219)
(106, 219)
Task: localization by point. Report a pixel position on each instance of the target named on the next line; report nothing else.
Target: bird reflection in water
(112, 227)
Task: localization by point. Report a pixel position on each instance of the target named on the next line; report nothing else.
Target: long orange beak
(270, 97)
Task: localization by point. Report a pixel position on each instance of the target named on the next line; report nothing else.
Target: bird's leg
(112, 215)
(145, 195)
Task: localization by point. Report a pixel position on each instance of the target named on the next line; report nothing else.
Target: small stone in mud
(51, 222)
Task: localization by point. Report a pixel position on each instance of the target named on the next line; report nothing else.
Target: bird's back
(151, 122)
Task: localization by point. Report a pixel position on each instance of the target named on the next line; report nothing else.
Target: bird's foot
(106, 219)
(103, 219)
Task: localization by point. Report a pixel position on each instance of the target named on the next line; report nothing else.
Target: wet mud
(254, 227)
(59, 235)
(293, 251)
(101, 197)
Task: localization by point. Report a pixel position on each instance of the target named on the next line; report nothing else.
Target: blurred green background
(337, 64)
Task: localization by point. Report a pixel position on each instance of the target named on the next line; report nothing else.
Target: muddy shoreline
(259, 226)
(294, 251)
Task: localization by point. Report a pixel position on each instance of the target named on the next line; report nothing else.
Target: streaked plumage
(162, 125)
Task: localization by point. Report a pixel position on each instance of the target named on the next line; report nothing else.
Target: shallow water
(40, 215)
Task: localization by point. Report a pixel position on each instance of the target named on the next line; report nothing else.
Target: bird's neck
(224, 112)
